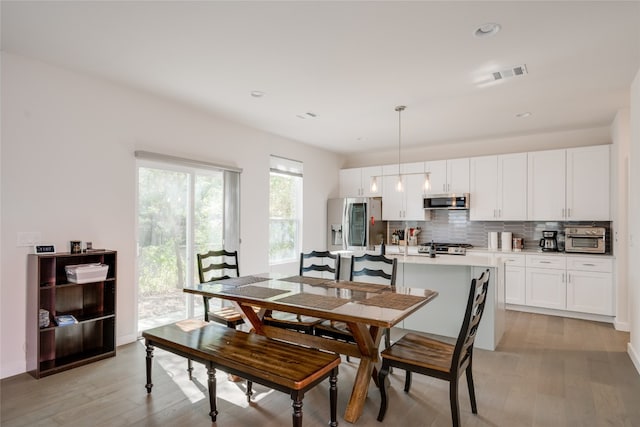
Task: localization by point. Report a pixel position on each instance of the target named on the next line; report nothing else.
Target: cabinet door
(458, 176)
(515, 279)
(392, 200)
(546, 288)
(512, 187)
(483, 172)
(588, 184)
(368, 175)
(351, 182)
(590, 292)
(546, 185)
(414, 195)
(437, 176)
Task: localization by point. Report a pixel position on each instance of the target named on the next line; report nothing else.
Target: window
(183, 209)
(285, 210)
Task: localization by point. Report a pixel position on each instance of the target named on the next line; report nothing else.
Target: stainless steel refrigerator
(354, 223)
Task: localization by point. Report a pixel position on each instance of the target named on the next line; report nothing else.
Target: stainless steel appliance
(445, 248)
(589, 240)
(446, 201)
(355, 223)
(549, 241)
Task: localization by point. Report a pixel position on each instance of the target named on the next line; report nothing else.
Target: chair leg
(382, 385)
(190, 368)
(407, 382)
(333, 398)
(453, 397)
(249, 392)
(206, 308)
(472, 390)
(387, 338)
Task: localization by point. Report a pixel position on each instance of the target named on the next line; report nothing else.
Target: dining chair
(363, 268)
(436, 358)
(314, 264)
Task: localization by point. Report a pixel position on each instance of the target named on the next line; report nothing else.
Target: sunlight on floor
(197, 389)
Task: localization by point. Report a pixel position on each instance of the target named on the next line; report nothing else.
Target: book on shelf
(66, 319)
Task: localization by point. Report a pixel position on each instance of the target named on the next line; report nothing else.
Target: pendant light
(399, 109)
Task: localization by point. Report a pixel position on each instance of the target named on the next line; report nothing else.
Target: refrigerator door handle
(345, 225)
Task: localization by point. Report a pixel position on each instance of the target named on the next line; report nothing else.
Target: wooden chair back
(475, 308)
(217, 265)
(360, 266)
(332, 266)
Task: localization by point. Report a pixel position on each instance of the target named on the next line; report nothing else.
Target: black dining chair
(314, 264)
(439, 359)
(363, 268)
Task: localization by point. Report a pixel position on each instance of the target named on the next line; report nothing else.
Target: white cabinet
(448, 176)
(546, 185)
(590, 285)
(546, 282)
(498, 187)
(405, 205)
(571, 184)
(356, 182)
(588, 184)
(515, 277)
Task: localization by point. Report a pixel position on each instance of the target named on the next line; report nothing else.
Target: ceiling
(351, 63)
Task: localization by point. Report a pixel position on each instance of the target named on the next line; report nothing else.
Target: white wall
(485, 147)
(634, 224)
(621, 138)
(68, 172)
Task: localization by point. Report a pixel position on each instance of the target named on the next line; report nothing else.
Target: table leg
(368, 342)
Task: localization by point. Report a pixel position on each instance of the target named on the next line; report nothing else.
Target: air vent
(518, 70)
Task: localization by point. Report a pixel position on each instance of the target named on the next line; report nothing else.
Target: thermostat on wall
(44, 249)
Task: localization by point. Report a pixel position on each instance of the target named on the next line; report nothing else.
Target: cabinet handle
(562, 277)
(589, 265)
(499, 213)
(569, 213)
(544, 262)
(569, 277)
(562, 212)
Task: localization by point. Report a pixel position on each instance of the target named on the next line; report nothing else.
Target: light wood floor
(547, 371)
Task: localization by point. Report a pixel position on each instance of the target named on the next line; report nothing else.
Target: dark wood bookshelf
(53, 348)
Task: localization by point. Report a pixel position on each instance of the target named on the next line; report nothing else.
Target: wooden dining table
(366, 308)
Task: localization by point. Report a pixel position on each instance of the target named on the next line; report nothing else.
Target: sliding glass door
(180, 214)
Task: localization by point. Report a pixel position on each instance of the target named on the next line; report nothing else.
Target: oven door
(585, 244)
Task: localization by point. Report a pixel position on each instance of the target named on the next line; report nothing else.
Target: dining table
(366, 308)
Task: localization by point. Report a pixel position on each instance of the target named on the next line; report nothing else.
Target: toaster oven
(590, 240)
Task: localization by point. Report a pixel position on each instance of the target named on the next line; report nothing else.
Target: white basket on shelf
(86, 273)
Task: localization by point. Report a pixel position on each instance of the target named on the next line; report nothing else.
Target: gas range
(446, 248)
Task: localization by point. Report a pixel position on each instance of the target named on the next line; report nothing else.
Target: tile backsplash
(453, 226)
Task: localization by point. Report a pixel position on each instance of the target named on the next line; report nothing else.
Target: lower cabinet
(546, 288)
(582, 284)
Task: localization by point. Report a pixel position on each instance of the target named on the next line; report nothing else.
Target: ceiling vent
(518, 70)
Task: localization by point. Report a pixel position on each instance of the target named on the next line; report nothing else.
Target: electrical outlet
(29, 238)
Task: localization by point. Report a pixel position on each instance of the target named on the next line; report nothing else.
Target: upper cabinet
(405, 205)
(357, 182)
(448, 176)
(569, 185)
(498, 187)
(588, 184)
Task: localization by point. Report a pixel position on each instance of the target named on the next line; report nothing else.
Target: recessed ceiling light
(257, 93)
(523, 115)
(486, 30)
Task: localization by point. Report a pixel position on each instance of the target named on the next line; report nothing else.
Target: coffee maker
(549, 241)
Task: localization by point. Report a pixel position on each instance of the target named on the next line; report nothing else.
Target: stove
(446, 248)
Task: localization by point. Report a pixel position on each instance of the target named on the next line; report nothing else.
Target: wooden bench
(278, 365)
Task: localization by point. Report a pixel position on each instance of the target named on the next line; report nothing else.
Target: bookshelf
(51, 349)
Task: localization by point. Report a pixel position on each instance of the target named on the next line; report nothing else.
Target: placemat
(393, 300)
(240, 281)
(356, 286)
(313, 281)
(316, 301)
(256, 291)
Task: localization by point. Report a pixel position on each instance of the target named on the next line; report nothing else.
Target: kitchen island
(450, 276)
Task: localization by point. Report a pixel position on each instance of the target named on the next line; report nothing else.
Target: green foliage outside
(284, 226)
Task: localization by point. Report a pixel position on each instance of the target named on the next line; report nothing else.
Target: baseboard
(126, 339)
(622, 326)
(11, 369)
(635, 356)
(562, 313)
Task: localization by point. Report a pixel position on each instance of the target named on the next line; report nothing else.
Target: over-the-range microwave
(446, 201)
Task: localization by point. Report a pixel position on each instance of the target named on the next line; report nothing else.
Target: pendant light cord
(399, 109)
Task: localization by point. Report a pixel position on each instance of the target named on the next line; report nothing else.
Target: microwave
(589, 240)
(446, 201)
